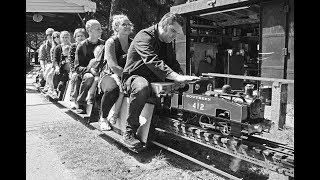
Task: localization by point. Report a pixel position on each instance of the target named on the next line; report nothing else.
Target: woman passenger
(79, 35)
(50, 73)
(116, 48)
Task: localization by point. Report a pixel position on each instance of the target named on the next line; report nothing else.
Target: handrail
(284, 81)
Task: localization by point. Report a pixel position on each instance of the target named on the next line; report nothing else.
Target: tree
(142, 13)
(34, 40)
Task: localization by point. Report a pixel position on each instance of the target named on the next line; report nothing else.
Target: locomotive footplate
(274, 157)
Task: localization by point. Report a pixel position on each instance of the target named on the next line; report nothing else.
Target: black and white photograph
(160, 90)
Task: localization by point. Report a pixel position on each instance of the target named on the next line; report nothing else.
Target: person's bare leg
(117, 108)
(92, 90)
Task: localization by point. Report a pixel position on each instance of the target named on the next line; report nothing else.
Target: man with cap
(44, 52)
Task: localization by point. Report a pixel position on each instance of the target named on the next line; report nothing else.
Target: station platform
(42, 161)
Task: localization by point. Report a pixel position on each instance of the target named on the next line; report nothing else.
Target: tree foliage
(34, 40)
(142, 13)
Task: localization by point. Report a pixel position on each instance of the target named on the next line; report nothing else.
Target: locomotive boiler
(234, 114)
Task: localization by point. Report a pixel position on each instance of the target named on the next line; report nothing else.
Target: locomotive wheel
(226, 129)
(204, 120)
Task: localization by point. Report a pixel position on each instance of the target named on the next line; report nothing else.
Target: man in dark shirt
(150, 58)
(83, 55)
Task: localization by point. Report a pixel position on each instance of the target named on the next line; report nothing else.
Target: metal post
(279, 104)
(188, 61)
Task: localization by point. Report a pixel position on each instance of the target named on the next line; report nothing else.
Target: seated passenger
(45, 58)
(50, 73)
(79, 35)
(59, 60)
(83, 55)
(116, 48)
(91, 64)
(64, 68)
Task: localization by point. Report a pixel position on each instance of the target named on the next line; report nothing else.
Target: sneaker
(104, 125)
(81, 110)
(73, 105)
(54, 94)
(113, 119)
(130, 141)
(45, 89)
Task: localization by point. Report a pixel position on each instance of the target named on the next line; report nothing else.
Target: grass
(89, 155)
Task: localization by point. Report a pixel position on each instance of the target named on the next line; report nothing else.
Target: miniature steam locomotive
(198, 104)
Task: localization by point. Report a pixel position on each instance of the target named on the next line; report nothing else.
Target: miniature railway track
(262, 152)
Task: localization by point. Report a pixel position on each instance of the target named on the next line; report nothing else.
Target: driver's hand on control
(186, 78)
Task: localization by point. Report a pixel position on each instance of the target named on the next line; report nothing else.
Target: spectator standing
(116, 48)
(44, 54)
(79, 35)
(83, 55)
(150, 58)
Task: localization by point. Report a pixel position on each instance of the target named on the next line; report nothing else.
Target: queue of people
(120, 65)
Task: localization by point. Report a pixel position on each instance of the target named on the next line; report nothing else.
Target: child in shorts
(92, 90)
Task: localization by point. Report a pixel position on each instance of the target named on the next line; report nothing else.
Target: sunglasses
(126, 24)
(49, 34)
(55, 37)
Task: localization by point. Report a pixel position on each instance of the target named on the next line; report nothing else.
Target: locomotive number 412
(198, 105)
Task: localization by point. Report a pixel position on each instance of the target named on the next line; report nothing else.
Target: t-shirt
(83, 55)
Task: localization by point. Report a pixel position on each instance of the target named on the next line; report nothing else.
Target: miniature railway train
(220, 118)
